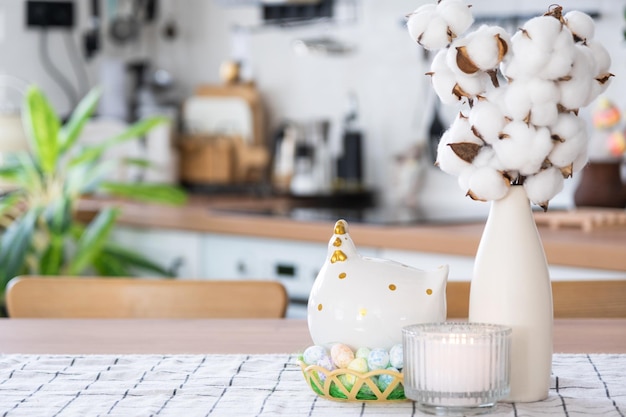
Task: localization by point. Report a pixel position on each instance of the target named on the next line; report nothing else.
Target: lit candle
(456, 367)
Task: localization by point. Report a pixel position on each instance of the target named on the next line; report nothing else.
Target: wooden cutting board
(585, 218)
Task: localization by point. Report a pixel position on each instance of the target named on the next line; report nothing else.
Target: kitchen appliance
(222, 141)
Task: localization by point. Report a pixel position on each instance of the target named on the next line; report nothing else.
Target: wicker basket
(348, 385)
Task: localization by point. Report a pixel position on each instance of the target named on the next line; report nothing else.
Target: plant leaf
(70, 132)
(52, 259)
(93, 240)
(109, 266)
(135, 131)
(10, 200)
(133, 260)
(88, 177)
(42, 127)
(58, 215)
(15, 244)
(158, 193)
(138, 162)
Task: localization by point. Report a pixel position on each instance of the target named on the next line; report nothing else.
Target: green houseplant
(40, 232)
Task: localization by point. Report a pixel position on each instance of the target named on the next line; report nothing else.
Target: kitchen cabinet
(461, 267)
(293, 263)
(175, 249)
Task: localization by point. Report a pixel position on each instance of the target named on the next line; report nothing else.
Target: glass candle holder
(456, 368)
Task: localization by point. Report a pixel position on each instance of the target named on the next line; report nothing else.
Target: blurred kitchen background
(339, 99)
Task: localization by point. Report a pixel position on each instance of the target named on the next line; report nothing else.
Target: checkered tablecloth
(253, 385)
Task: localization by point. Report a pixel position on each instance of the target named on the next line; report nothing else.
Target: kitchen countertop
(603, 248)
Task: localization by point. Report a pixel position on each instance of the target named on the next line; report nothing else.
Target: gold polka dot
(338, 256)
(340, 227)
(392, 287)
(337, 242)
(429, 291)
(342, 275)
(319, 307)
(363, 312)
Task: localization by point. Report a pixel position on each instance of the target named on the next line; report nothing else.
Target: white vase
(511, 286)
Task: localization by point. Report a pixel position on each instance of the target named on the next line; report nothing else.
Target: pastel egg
(385, 379)
(326, 363)
(313, 354)
(362, 352)
(357, 365)
(378, 359)
(396, 357)
(341, 355)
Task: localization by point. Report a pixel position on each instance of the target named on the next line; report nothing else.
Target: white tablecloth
(254, 385)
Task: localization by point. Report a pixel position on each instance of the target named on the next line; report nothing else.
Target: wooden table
(255, 336)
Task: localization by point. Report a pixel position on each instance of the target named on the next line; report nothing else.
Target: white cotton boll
(443, 79)
(487, 157)
(473, 85)
(561, 57)
(580, 24)
(447, 160)
(542, 91)
(596, 89)
(418, 20)
(436, 34)
(517, 100)
(601, 64)
(543, 186)
(566, 126)
(601, 57)
(487, 184)
(459, 132)
(469, 85)
(544, 114)
(457, 15)
(464, 178)
(451, 56)
(539, 147)
(523, 148)
(581, 159)
(543, 31)
(443, 84)
(487, 120)
(564, 153)
(462, 131)
(576, 91)
(488, 47)
(526, 59)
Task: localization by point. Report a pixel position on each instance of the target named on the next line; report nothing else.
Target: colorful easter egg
(364, 301)
(357, 365)
(313, 354)
(396, 356)
(341, 355)
(378, 359)
(616, 143)
(362, 352)
(385, 379)
(606, 114)
(326, 363)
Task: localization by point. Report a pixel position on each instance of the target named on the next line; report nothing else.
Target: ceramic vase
(511, 286)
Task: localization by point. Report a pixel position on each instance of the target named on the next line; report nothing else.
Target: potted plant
(40, 233)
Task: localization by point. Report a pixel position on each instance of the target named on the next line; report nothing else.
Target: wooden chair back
(81, 297)
(570, 299)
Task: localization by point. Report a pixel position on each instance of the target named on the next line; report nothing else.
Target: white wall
(386, 71)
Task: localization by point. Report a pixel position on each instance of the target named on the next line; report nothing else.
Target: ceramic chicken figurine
(365, 302)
